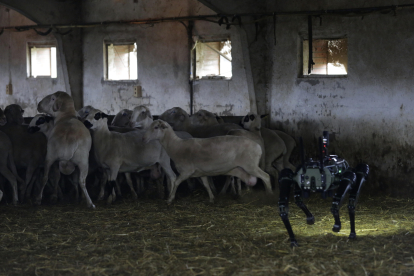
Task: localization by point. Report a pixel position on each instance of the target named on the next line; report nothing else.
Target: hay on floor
(192, 237)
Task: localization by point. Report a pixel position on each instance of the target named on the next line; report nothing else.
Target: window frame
(37, 44)
(194, 57)
(119, 42)
(320, 37)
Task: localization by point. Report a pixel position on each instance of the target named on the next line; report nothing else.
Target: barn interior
(312, 66)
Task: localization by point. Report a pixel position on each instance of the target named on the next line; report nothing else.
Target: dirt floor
(242, 236)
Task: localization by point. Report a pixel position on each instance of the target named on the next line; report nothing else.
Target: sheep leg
(273, 174)
(247, 172)
(211, 185)
(48, 163)
(35, 181)
(118, 187)
(54, 181)
(13, 182)
(239, 186)
(226, 184)
(75, 183)
(139, 184)
(207, 186)
(30, 170)
(169, 184)
(233, 189)
(102, 184)
(175, 185)
(190, 184)
(12, 167)
(166, 165)
(110, 189)
(131, 186)
(112, 183)
(257, 172)
(160, 187)
(82, 183)
(59, 191)
(80, 159)
(1, 195)
(286, 157)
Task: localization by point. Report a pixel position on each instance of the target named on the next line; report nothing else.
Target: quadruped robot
(325, 175)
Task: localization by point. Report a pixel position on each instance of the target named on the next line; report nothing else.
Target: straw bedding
(243, 236)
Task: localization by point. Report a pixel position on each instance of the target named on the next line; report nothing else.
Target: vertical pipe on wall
(9, 49)
(247, 68)
(191, 64)
(63, 62)
(310, 38)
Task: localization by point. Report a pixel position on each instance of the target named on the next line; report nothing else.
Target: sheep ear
(48, 119)
(163, 125)
(57, 105)
(264, 116)
(104, 115)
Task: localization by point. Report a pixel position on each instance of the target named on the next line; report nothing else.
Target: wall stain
(338, 85)
(227, 110)
(309, 81)
(176, 66)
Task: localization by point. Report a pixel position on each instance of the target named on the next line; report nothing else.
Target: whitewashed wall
(27, 92)
(163, 58)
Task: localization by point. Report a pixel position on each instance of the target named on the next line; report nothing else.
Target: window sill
(118, 81)
(41, 77)
(322, 76)
(214, 79)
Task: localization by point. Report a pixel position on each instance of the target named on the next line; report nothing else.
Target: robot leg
(361, 171)
(285, 185)
(348, 179)
(310, 219)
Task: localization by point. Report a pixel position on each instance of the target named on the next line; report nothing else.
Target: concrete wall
(163, 60)
(69, 46)
(27, 92)
(370, 111)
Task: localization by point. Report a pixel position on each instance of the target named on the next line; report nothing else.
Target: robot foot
(352, 236)
(310, 220)
(336, 228)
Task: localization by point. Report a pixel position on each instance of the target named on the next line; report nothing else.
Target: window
(121, 62)
(213, 60)
(330, 56)
(41, 61)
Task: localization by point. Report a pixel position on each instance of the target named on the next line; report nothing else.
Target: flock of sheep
(62, 140)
